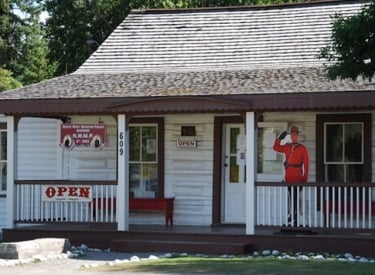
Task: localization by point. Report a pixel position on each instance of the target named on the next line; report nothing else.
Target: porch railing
(70, 201)
(321, 205)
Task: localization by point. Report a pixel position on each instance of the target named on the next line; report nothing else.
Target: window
(3, 157)
(145, 159)
(344, 148)
(343, 152)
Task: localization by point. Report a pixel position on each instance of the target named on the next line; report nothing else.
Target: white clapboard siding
(86, 163)
(188, 171)
(39, 153)
(306, 121)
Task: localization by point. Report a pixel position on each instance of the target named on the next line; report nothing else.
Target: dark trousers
(293, 216)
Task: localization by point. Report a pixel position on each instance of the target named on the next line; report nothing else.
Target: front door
(234, 174)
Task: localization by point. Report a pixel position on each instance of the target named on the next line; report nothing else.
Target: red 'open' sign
(67, 193)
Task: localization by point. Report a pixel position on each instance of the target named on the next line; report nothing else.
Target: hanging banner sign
(67, 193)
(93, 135)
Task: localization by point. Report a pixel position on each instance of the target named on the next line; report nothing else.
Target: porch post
(250, 172)
(122, 205)
(11, 166)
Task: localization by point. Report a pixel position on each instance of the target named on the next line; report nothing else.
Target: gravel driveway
(72, 266)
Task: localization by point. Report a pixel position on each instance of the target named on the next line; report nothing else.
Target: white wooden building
(192, 101)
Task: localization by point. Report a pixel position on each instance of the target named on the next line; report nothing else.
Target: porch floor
(221, 239)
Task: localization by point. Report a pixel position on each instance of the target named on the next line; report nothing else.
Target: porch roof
(228, 59)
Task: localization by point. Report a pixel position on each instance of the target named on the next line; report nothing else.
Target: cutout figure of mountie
(296, 166)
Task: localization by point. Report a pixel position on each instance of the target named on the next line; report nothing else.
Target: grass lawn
(241, 265)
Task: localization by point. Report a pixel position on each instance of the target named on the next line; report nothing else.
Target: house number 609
(121, 143)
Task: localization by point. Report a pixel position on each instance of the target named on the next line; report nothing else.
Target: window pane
(234, 132)
(3, 176)
(260, 146)
(334, 143)
(134, 141)
(149, 144)
(3, 151)
(150, 176)
(353, 143)
(233, 171)
(354, 173)
(335, 173)
(135, 176)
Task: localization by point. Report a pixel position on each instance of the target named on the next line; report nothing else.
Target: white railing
(98, 207)
(320, 205)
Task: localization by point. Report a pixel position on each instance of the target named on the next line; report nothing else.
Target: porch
(333, 217)
(218, 240)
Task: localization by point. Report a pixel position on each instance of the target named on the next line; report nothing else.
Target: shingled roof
(219, 38)
(207, 52)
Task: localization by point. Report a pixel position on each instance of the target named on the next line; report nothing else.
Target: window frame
(322, 120)
(3, 128)
(159, 122)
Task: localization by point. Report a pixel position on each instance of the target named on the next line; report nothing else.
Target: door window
(234, 173)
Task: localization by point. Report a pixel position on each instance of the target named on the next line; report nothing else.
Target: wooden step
(204, 247)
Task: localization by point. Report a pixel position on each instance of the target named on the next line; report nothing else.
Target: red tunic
(296, 161)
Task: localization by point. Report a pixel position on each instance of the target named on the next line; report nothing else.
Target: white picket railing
(321, 205)
(32, 207)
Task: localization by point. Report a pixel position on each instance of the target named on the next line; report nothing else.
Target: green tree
(8, 82)
(9, 36)
(74, 23)
(23, 48)
(351, 52)
(32, 64)
(4, 28)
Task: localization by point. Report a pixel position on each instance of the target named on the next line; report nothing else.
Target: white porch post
(251, 164)
(122, 205)
(11, 166)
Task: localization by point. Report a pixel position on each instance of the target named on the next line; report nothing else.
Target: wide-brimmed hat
(294, 128)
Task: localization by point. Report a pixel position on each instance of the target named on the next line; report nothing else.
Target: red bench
(140, 204)
(350, 208)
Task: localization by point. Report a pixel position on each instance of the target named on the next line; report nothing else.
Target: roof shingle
(206, 52)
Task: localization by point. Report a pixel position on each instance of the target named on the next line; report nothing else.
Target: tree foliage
(23, 47)
(32, 64)
(352, 47)
(72, 23)
(8, 82)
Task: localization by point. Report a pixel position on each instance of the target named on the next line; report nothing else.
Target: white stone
(303, 257)
(266, 253)
(318, 257)
(363, 260)
(348, 255)
(134, 259)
